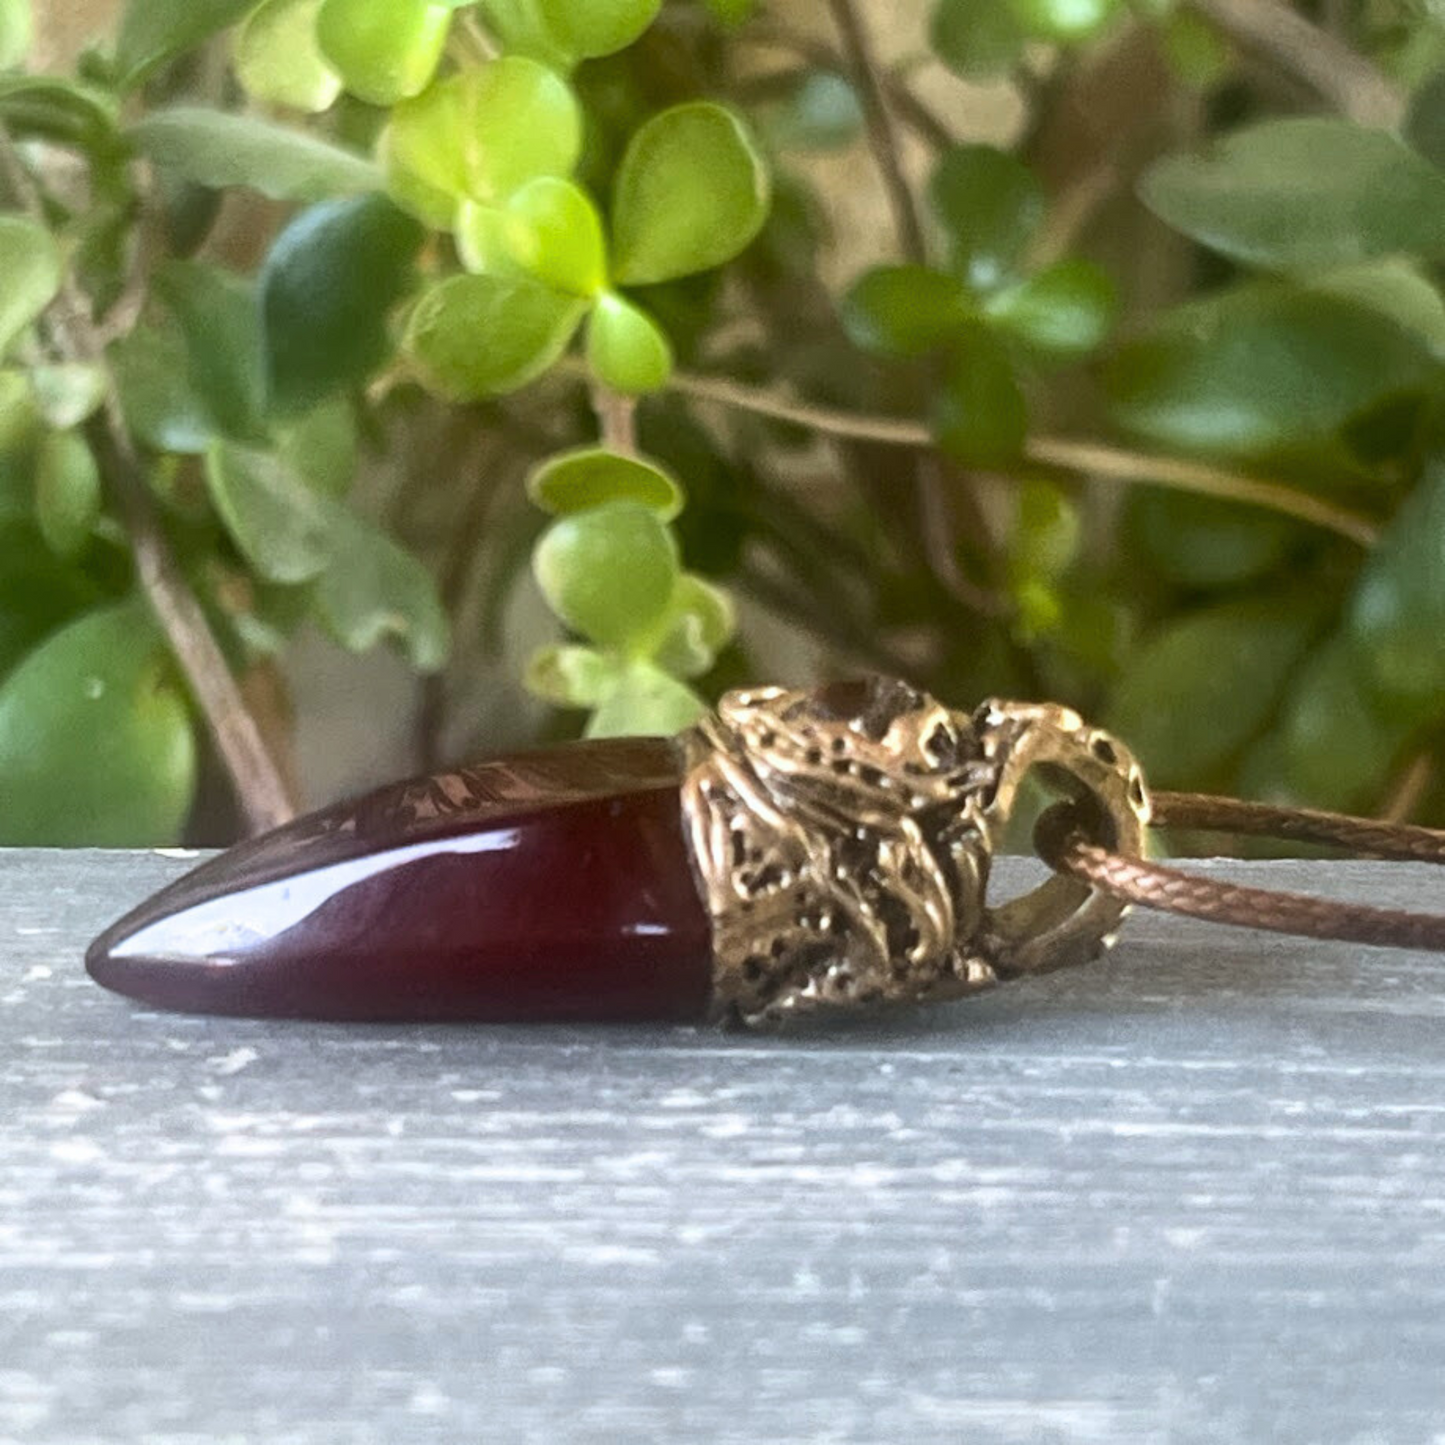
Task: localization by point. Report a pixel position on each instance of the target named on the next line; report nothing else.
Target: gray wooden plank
(1196, 1193)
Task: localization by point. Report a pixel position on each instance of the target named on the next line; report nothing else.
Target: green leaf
(49, 107)
(186, 213)
(217, 149)
(1208, 683)
(1065, 310)
(430, 205)
(96, 746)
(384, 50)
(646, 702)
(1203, 542)
(703, 620)
(486, 132)
(976, 38)
(476, 336)
(376, 590)
(268, 618)
(1340, 742)
(20, 418)
(278, 57)
(556, 234)
(154, 384)
(979, 415)
(31, 265)
(67, 392)
(1425, 123)
(1395, 288)
(691, 192)
(520, 30)
(1397, 615)
(67, 492)
(220, 323)
(578, 480)
(732, 13)
(103, 241)
(1066, 21)
(1261, 369)
(320, 446)
(16, 29)
(1047, 531)
(281, 527)
(549, 229)
(626, 349)
(904, 310)
(153, 32)
(485, 240)
(520, 121)
(608, 572)
(17, 488)
(1294, 195)
(567, 675)
(1198, 52)
(326, 288)
(38, 591)
(589, 28)
(991, 205)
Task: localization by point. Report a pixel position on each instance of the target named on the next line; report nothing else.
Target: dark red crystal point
(548, 885)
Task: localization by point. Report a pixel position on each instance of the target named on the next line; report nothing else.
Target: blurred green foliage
(564, 273)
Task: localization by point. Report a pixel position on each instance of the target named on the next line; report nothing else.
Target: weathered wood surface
(1194, 1194)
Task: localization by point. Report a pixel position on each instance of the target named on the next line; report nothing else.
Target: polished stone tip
(554, 885)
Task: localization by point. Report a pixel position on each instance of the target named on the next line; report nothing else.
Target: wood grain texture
(1195, 1193)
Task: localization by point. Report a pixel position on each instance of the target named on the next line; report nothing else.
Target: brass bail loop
(843, 839)
(1063, 921)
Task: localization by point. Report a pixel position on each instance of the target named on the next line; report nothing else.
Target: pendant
(795, 852)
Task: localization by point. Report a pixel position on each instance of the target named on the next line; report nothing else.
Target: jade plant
(381, 316)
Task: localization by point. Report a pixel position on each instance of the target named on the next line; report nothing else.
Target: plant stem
(1073, 209)
(867, 78)
(833, 625)
(481, 451)
(261, 791)
(936, 520)
(1152, 469)
(891, 431)
(1323, 62)
(1069, 454)
(906, 104)
(474, 45)
(616, 419)
(1404, 797)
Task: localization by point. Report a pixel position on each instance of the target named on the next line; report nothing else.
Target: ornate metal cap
(843, 839)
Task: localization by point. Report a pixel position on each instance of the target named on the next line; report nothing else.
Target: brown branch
(260, 789)
(907, 104)
(1152, 469)
(891, 431)
(1086, 457)
(487, 451)
(867, 78)
(939, 527)
(616, 419)
(834, 626)
(1409, 789)
(937, 522)
(1328, 66)
(1073, 209)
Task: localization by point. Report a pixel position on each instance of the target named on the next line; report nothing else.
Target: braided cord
(1062, 839)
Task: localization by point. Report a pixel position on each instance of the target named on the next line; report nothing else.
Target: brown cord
(1062, 839)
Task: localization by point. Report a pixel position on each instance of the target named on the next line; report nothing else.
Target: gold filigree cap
(843, 838)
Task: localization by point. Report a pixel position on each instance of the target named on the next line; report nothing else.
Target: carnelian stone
(548, 885)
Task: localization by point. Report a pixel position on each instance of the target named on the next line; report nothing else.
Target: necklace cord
(1063, 839)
